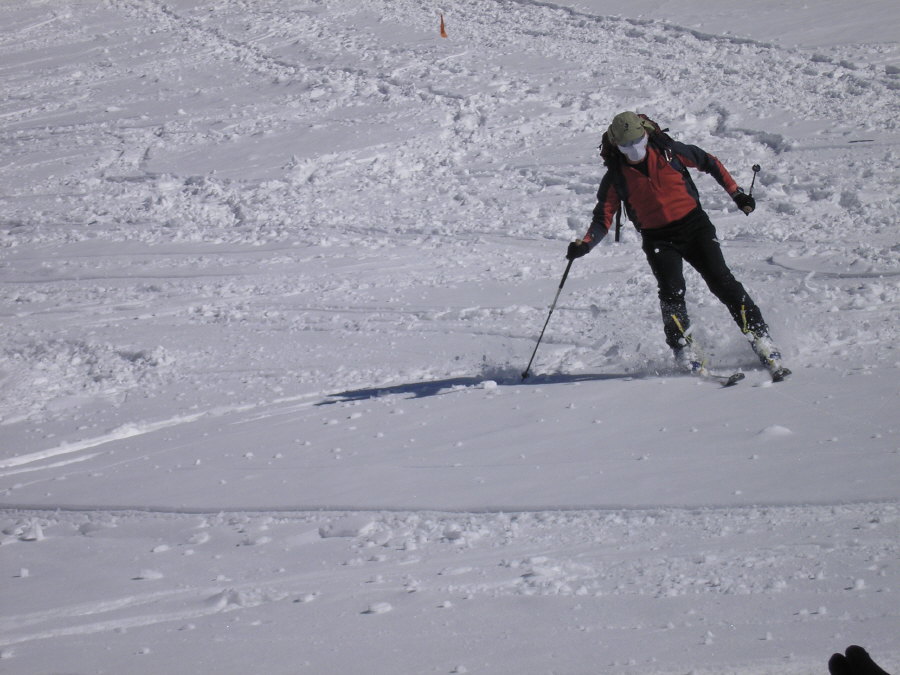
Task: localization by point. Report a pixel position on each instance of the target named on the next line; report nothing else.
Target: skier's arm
(608, 203)
(699, 159)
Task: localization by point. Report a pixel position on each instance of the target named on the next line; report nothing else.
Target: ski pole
(552, 307)
(756, 169)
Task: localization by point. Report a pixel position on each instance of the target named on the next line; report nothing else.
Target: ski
(724, 380)
(777, 375)
(730, 380)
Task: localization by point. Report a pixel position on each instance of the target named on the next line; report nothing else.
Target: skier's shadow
(455, 384)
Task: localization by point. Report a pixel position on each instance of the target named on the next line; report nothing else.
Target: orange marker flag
(443, 30)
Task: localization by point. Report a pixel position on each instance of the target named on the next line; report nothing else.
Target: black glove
(744, 202)
(577, 249)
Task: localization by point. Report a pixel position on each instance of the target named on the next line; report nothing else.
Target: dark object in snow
(855, 661)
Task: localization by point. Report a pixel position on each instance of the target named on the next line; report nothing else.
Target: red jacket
(660, 197)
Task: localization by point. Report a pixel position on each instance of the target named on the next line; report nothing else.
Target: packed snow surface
(270, 273)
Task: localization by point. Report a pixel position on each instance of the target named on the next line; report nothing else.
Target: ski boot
(769, 355)
(687, 360)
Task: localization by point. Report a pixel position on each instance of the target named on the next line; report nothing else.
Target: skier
(647, 172)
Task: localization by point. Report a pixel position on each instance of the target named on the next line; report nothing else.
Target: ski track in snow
(269, 275)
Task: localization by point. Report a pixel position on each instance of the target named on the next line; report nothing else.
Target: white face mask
(635, 151)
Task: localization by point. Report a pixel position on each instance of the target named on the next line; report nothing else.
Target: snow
(269, 276)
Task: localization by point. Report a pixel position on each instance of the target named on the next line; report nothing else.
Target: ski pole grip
(568, 267)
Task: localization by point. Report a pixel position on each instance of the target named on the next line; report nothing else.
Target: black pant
(693, 239)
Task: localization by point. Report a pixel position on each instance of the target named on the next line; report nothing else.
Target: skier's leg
(704, 253)
(666, 264)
